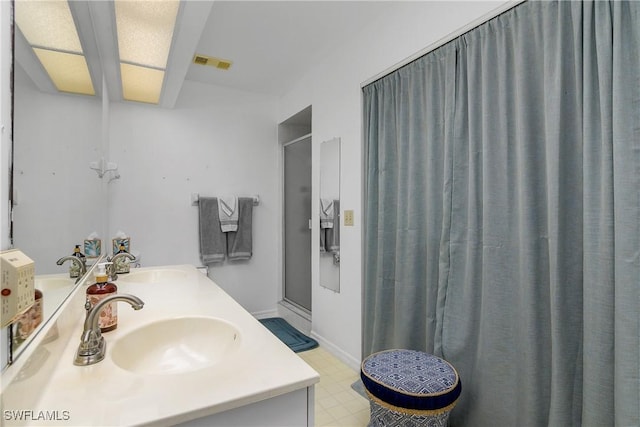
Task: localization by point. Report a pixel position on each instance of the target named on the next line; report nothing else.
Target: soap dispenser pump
(108, 319)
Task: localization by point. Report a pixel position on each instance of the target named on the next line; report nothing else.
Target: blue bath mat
(358, 387)
(289, 335)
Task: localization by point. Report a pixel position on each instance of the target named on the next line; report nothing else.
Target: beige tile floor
(336, 403)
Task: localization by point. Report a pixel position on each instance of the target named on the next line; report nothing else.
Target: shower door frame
(296, 306)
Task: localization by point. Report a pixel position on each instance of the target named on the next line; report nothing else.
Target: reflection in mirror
(330, 214)
(57, 199)
(54, 290)
(56, 287)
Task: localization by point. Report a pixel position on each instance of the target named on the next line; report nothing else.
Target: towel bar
(195, 198)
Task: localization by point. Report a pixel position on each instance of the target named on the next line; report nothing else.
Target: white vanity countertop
(103, 394)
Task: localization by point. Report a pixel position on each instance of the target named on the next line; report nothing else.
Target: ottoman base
(385, 417)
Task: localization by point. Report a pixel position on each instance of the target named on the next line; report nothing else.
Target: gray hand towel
(332, 237)
(326, 213)
(240, 243)
(212, 239)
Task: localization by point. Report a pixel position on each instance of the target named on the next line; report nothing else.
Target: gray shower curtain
(502, 214)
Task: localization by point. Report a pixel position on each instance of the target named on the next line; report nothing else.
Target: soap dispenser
(108, 319)
(122, 261)
(74, 269)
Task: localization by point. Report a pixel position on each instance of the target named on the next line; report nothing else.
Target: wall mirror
(330, 217)
(57, 199)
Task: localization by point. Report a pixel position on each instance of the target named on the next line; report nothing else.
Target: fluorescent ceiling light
(141, 84)
(49, 28)
(145, 30)
(68, 71)
(48, 24)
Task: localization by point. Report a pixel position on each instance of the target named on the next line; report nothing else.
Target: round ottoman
(409, 388)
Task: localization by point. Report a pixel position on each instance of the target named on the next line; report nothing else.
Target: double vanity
(191, 356)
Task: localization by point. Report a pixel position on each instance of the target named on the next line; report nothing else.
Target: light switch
(348, 218)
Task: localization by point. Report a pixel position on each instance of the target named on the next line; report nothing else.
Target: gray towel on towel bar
(240, 243)
(332, 235)
(327, 210)
(212, 239)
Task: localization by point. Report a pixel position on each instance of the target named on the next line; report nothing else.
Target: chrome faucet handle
(110, 269)
(87, 308)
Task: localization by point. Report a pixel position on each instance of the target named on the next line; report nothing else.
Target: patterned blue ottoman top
(411, 379)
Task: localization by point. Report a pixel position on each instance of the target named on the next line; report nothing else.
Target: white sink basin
(174, 346)
(153, 276)
(53, 283)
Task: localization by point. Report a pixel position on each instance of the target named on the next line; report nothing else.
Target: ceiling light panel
(50, 30)
(48, 24)
(68, 71)
(145, 30)
(141, 84)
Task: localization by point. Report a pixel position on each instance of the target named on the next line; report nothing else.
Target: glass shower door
(297, 217)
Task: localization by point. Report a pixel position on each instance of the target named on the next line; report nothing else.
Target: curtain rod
(510, 4)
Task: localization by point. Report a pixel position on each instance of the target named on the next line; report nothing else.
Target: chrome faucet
(81, 264)
(112, 269)
(92, 344)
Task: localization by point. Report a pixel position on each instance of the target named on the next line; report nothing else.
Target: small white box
(17, 295)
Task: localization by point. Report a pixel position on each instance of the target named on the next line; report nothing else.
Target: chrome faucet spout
(92, 344)
(112, 269)
(82, 266)
(123, 255)
(91, 322)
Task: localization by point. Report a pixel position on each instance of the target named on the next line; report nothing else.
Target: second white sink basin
(153, 276)
(174, 346)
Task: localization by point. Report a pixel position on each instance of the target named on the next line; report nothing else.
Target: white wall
(333, 88)
(216, 141)
(59, 199)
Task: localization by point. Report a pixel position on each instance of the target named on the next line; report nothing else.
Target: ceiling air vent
(221, 64)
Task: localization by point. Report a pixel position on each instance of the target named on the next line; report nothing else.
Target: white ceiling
(270, 43)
